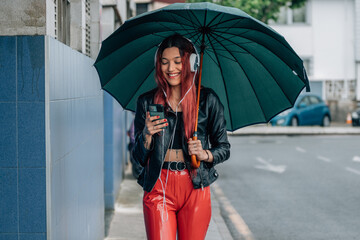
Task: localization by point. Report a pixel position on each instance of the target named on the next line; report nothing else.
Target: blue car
(309, 109)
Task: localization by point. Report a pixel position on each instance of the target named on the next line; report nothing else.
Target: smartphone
(157, 110)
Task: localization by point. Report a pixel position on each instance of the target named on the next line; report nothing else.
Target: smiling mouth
(173, 75)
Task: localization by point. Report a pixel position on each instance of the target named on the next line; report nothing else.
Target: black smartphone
(157, 110)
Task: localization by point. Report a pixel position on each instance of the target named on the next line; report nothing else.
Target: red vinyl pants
(187, 210)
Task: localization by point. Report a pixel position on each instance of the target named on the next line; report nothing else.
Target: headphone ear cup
(194, 62)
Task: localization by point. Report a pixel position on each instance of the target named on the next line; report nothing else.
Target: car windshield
(305, 101)
(314, 100)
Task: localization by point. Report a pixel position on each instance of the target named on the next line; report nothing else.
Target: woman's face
(171, 66)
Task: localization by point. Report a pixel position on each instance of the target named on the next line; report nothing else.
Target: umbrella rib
(213, 59)
(195, 16)
(193, 33)
(158, 35)
(222, 76)
(197, 39)
(215, 18)
(243, 18)
(174, 12)
(181, 24)
(213, 50)
(246, 77)
(260, 63)
(236, 51)
(232, 26)
(136, 25)
(169, 29)
(229, 20)
(255, 30)
(133, 39)
(265, 47)
(130, 63)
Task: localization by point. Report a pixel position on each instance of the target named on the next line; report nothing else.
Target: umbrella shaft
(198, 92)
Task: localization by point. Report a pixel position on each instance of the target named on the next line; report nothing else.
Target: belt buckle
(178, 168)
(173, 166)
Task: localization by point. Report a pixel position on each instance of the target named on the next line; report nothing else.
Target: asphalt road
(295, 188)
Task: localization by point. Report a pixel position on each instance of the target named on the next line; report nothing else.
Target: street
(295, 187)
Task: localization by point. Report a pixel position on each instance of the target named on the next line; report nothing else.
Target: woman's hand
(152, 127)
(195, 148)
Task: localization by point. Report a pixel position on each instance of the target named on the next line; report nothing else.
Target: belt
(174, 166)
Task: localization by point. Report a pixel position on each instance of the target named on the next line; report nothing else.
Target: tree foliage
(263, 10)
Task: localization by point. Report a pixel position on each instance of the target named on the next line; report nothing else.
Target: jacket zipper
(201, 181)
(163, 158)
(163, 142)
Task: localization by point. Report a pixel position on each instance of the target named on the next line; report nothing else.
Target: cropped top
(177, 144)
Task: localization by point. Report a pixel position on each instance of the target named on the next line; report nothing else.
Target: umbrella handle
(194, 162)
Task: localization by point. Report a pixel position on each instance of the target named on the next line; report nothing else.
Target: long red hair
(188, 104)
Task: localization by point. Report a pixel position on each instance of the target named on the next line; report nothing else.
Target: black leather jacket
(211, 129)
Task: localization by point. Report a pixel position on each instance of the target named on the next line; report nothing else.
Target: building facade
(325, 34)
(62, 139)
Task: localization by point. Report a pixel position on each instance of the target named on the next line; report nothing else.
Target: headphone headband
(194, 57)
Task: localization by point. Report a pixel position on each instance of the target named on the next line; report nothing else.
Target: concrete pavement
(126, 221)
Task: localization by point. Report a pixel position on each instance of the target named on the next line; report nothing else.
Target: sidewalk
(127, 223)
(264, 129)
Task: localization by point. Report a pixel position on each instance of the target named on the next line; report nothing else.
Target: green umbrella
(251, 67)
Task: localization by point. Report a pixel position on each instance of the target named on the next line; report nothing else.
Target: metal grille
(87, 27)
(55, 17)
(337, 90)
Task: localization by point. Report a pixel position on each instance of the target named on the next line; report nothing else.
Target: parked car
(309, 109)
(355, 117)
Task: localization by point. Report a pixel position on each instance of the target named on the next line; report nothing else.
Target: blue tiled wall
(52, 142)
(115, 151)
(22, 138)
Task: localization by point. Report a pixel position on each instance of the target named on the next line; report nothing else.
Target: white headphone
(194, 57)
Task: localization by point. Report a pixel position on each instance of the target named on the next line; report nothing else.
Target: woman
(176, 196)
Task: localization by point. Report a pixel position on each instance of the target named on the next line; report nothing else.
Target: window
(305, 101)
(314, 100)
(141, 8)
(291, 16)
(128, 10)
(299, 15)
(62, 21)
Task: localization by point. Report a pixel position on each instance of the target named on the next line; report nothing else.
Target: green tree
(263, 10)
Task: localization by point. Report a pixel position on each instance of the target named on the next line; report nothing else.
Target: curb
(217, 218)
(268, 130)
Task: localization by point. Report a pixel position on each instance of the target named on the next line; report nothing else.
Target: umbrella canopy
(252, 68)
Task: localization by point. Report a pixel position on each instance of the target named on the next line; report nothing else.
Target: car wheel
(294, 122)
(325, 121)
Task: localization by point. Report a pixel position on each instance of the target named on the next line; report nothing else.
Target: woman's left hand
(195, 148)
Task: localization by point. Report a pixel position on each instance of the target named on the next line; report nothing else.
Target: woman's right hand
(152, 126)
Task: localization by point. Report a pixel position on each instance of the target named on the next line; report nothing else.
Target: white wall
(74, 145)
(328, 39)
